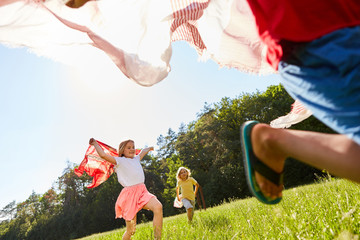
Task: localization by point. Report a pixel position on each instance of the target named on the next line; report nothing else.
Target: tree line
(209, 146)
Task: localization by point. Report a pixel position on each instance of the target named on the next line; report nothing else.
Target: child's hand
(92, 141)
(151, 148)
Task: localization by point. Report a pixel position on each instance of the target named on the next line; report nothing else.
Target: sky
(49, 110)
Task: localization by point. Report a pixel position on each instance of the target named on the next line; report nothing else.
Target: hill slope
(329, 209)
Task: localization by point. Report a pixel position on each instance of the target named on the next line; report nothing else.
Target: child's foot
(263, 139)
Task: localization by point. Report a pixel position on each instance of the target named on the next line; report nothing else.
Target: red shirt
(300, 20)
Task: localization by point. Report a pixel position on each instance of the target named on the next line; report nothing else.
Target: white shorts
(188, 203)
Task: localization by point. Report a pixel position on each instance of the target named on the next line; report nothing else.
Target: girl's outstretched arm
(101, 152)
(145, 151)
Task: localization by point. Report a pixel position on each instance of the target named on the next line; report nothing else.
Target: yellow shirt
(187, 188)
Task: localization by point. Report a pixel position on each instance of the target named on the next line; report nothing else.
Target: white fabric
(290, 119)
(129, 171)
(297, 114)
(136, 35)
(131, 32)
(177, 203)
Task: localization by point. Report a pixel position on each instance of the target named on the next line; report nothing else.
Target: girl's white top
(129, 171)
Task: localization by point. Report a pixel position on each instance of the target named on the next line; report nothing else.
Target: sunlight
(96, 73)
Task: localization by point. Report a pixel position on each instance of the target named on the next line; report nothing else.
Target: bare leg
(334, 152)
(130, 229)
(190, 214)
(155, 206)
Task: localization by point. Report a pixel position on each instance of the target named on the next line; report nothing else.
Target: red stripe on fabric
(184, 24)
(297, 107)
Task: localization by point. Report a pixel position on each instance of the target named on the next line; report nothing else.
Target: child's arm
(145, 151)
(177, 193)
(101, 152)
(196, 188)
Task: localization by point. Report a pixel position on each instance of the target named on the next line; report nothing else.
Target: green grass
(329, 209)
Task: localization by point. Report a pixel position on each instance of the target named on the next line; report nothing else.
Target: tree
(9, 211)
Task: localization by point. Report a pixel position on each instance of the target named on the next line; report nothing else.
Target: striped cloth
(184, 24)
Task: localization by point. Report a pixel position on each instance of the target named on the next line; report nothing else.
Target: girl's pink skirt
(131, 200)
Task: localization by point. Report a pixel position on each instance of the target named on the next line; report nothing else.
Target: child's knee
(158, 208)
(265, 135)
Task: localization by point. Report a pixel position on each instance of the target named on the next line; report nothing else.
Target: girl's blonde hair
(122, 146)
(179, 170)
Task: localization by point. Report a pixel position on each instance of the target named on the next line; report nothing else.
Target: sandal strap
(265, 171)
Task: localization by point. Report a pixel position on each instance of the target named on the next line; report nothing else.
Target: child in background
(134, 196)
(186, 183)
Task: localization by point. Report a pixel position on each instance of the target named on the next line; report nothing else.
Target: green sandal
(252, 164)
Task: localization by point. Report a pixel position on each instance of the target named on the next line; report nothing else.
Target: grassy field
(329, 209)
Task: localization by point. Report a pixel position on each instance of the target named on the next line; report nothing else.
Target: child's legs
(324, 75)
(189, 206)
(156, 207)
(334, 152)
(130, 229)
(190, 213)
(193, 203)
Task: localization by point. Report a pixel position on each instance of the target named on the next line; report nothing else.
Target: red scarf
(97, 167)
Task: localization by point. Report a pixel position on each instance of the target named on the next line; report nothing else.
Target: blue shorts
(325, 76)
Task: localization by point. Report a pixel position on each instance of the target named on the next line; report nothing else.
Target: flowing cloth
(297, 114)
(136, 35)
(177, 203)
(95, 166)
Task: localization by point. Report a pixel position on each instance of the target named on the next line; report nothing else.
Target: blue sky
(50, 110)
